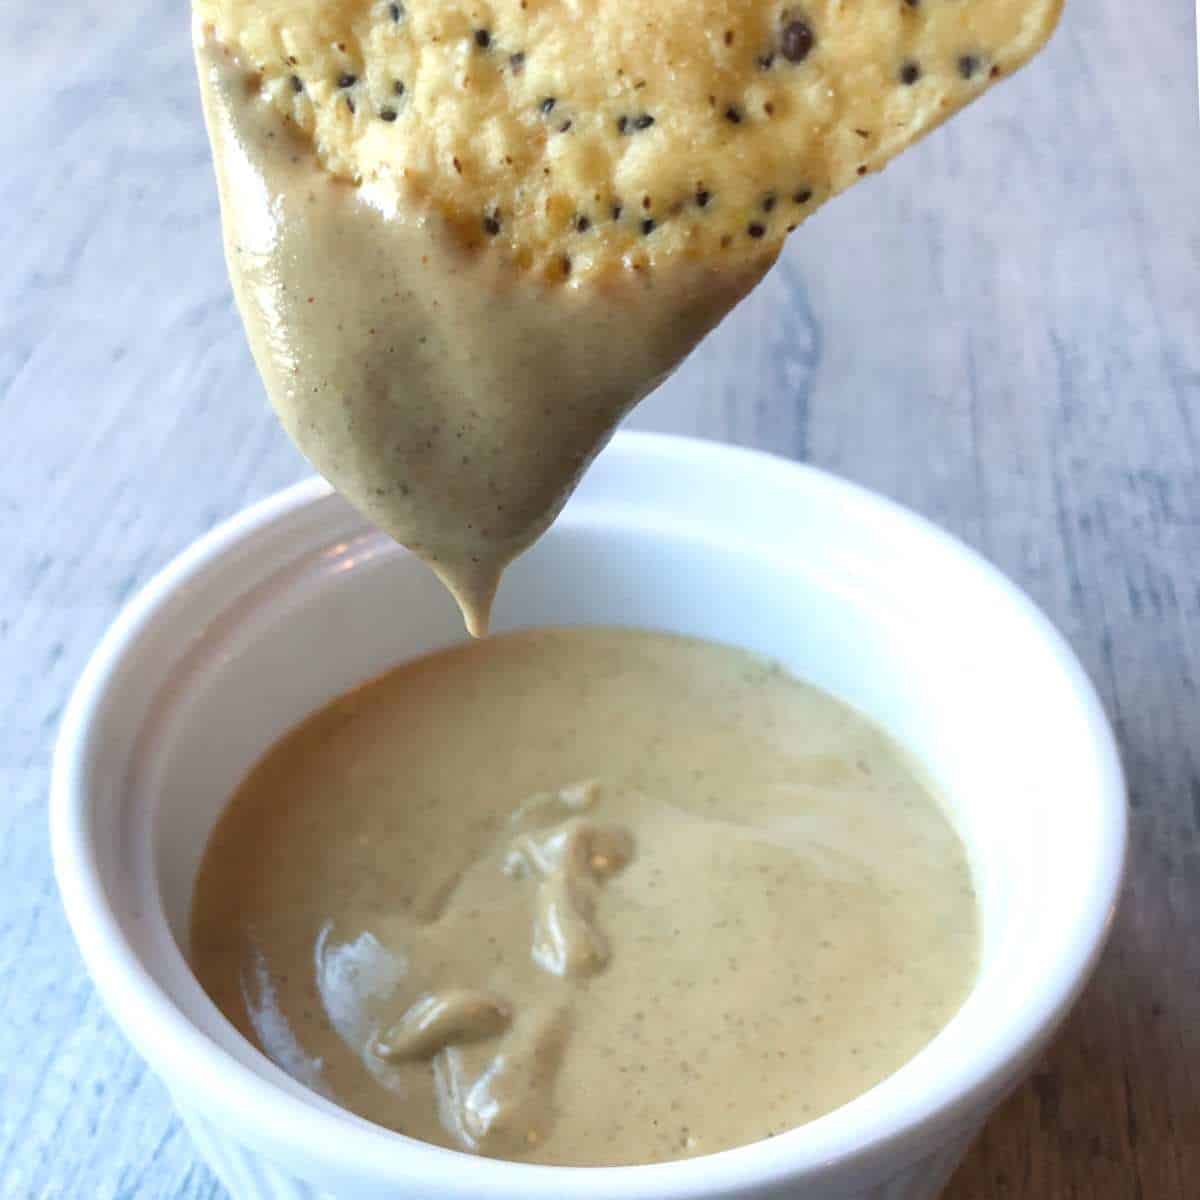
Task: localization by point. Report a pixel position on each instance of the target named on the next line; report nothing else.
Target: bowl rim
(160, 1031)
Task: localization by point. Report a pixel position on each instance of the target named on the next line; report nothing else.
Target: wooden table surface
(1001, 331)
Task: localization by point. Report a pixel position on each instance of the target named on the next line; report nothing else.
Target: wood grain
(1001, 331)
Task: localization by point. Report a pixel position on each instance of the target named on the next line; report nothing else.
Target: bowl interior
(288, 607)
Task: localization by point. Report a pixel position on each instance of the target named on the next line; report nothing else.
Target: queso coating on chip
(579, 139)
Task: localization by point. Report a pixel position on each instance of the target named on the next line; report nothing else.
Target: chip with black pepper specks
(683, 100)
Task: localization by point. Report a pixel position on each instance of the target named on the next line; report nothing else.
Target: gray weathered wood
(1001, 331)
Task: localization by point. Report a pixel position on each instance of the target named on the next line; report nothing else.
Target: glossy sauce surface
(586, 897)
(452, 399)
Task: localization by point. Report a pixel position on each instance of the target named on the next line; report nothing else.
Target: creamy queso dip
(452, 400)
(574, 897)
(586, 897)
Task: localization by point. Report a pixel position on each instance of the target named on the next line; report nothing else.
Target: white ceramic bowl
(295, 600)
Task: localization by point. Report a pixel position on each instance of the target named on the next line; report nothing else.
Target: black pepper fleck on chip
(766, 61)
(648, 225)
(733, 115)
(583, 223)
(803, 196)
(396, 10)
(547, 105)
(387, 114)
(768, 202)
(347, 80)
(491, 224)
(398, 87)
(644, 121)
(702, 198)
(350, 103)
(755, 230)
(968, 64)
(616, 212)
(796, 41)
(483, 39)
(622, 124)
(910, 72)
(564, 127)
(297, 84)
(517, 61)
